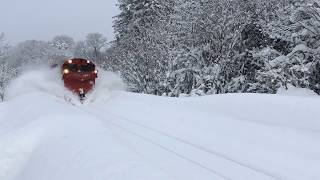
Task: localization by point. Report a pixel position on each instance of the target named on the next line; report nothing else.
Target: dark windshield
(71, 67)
(87, 68)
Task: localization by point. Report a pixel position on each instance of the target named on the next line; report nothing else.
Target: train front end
(79, 76)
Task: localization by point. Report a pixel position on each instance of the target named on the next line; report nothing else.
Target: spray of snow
(39, 80)
(49, 81)
(106, 83)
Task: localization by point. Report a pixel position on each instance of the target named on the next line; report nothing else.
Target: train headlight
(88, 62)
(66, 71)
(70, 61)
(96, 71)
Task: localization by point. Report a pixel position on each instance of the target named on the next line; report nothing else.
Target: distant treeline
(13, 59)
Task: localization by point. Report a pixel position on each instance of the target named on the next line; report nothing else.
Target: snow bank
(294, 91)
(273, 133)
(54, 140)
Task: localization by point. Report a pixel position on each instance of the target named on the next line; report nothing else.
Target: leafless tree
(96, 42)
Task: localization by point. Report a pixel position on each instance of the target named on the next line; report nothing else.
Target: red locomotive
(79, 75)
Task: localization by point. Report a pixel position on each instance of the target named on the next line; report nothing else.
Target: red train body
(79, 75)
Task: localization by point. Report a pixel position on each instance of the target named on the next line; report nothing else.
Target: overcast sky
(42, 19)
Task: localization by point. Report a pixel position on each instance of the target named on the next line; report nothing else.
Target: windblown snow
(46, 134)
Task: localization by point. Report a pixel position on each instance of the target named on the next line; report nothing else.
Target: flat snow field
(46, 134)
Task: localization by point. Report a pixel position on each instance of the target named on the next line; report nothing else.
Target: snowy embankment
(118, 135)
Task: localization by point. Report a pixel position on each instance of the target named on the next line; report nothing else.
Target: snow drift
(118, 135)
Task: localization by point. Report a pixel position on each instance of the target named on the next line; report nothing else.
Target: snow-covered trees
(7, 72)
(4, 47)
(62, 48)
(95, 42)
(92, 47)
(207, 36)
(204, 47)
(35, 53)
(142, 43)
(81, 49)
(63, 42)
(296, 31)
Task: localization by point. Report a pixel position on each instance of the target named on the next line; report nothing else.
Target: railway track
(215, 163)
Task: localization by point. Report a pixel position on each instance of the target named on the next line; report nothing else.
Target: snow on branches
(203, 47)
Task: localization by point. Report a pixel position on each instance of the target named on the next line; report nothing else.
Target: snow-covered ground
(118, 135)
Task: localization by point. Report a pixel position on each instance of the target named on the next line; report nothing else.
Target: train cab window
(87, 68)
(71, 67)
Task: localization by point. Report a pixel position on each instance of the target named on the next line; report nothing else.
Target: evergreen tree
(140, 30)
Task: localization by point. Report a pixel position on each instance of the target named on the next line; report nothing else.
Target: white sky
(42, 19)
